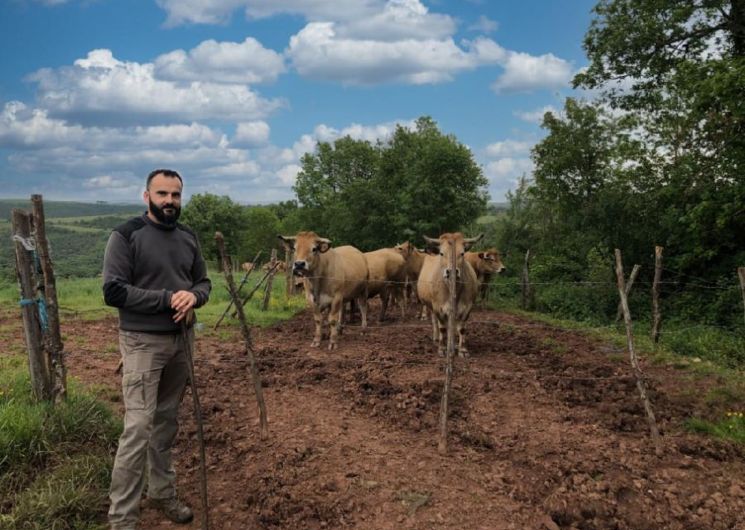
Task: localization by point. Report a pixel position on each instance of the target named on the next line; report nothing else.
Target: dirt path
(546, 432)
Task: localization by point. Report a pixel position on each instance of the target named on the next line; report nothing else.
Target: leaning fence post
(525, 284)
(37, 363)
(741, 274)
(270, 280)
(442, 444)
(246, 334)
(290, 285)
(634, 361)
(656, 314)
(53, 337)
(632, 278)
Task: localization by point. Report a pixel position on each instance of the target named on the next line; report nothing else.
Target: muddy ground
(546, 431)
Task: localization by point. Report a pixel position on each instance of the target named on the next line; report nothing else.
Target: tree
(207, 213)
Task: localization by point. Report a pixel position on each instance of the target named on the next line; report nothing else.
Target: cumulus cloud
(101, 89)
(484, 25)
(508, 148)
(251, 134)
(524, 72)
(288, 174)
(318, 51)
(219, 11)
(536, 115)
(399, 19)
(246, 62)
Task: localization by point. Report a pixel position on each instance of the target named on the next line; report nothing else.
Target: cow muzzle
(446, 274)
(300, 268)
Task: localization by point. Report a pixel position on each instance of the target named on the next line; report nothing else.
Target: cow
(247, 267)
(485, 263)
(387, 274)
(433, 286)
(280, 266)
(414, 261)
(330, 277)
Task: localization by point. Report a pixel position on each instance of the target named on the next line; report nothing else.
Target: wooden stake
(741, 274)
(525, 284)
(629, 284)
(53, 337)
(264, 429)
(37, 365)
(634, 361)
(289, 259)
(243, 282)
(268, 291)
(442, 445)
(656, 314)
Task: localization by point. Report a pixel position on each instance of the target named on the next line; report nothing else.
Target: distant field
(70, 209)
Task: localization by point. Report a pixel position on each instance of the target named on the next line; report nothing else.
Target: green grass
(55, 460)
(730, 427)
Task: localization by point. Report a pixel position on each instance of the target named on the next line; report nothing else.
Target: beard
(165, 218)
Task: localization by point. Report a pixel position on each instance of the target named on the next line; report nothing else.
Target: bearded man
(154, 273)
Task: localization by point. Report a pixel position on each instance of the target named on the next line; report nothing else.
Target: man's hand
(182, 302)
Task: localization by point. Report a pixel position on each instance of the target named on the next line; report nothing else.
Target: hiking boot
(174, 509)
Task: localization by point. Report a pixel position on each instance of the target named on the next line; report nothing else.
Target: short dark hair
(166, 173)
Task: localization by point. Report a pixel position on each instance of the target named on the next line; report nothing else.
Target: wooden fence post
(656, 314)
(442, 444)
(52, 337)
(741, 274)
(264, 432)
(525, 284)
(290, 285)
(270, 280)
(25, 264)
(634, 361)
(632, 278)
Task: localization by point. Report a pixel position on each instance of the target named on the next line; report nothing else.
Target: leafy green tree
(260, 234)
(207, 213)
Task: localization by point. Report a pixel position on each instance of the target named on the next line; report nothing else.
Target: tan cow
(280, 268)
(387, 275)
(414, 261)
(485, 263)
(331, 276)
(433, 287)
(247, 267)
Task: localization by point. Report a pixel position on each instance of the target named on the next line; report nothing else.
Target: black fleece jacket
(144, 264)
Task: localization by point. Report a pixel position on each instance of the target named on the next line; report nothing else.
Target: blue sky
(96, 93)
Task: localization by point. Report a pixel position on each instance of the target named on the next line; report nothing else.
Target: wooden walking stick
(198, 420)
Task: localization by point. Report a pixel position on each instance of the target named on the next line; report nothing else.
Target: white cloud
(251, 134)
(508, 167)
(102, 89)
(524, 72)
(484, 25)
(246, 62)
(318, 51)
(399, 20)
(288, 174)
(508, 148)
(219, 11)
(536, 115)
(106, 182)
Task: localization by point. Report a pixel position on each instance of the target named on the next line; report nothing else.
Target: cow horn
(431, 242)
(474, 240)
(287, 238)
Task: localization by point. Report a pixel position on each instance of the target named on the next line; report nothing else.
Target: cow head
(448, 243)
(308, 246)
(492, 261)
(405, 249)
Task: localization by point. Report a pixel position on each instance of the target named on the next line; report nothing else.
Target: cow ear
(324, 245)
(289, 241)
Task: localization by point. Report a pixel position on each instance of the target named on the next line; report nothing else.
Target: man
(153, 271)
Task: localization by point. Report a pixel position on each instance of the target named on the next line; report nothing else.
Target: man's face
(163, 198)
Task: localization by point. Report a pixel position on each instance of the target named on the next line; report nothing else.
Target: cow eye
(315, 250)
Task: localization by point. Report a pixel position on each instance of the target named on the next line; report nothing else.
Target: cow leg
(362, 303)
(335, 321)
(318, 318)
(435, 328)
(384, 304)
(462, 350)
(443, 333)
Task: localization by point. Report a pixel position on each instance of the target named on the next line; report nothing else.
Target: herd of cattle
(332, 276)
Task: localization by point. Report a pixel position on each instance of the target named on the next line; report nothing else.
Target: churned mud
(546, 431)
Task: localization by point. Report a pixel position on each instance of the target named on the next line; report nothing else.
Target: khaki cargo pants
(154, 378)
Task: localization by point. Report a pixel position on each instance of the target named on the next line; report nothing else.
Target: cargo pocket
(133, 388)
